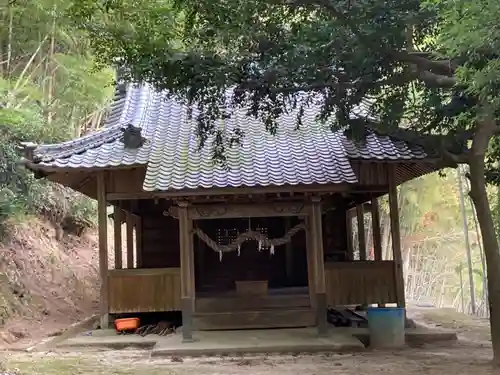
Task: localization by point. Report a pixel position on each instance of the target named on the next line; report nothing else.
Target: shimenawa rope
(263, 240)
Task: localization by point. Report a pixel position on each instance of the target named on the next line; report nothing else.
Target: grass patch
(74, 366)
(57, 366)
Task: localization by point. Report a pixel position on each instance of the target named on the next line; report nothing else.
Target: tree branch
(300, 88)
(434, 73)
(256, 84)
(486, 128)
(443, 68)
(436, 80)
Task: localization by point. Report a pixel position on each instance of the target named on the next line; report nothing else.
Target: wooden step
(274, 318)
(251, 302)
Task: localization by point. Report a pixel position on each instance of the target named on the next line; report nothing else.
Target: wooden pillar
(288, 254)
(310, 263)
(199, 259)
(138, 241)
(117, 223)
(396, 238)
(103, 249)
(190, 263)
(129, 221)
(348, 229)
(360, 215)
(187, 271)
(319, 266)
(377, 236)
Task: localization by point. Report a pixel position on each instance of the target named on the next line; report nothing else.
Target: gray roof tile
(312, 154)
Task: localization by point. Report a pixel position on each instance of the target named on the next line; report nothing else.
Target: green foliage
(279, 56)
(51, 91)
(21, 194)
(435, 214)
(284, 55)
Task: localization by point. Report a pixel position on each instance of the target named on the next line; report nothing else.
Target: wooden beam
(348, 230)
(377, 236)
(310, 263)
(187, 271)
(360, 216)
(228, 210)
(190, 263)
(103, 249)
(138, 240)
(320, 188)
(199, 259)
(117, 223)
(288, 254)
(129, 221)
(366, 208)
(396, 239)
(319, 266)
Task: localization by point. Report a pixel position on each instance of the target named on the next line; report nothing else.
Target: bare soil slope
(45, 284)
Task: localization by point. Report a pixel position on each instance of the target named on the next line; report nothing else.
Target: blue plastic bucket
(386, 326)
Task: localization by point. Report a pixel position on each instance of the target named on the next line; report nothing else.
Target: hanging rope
(249, 235)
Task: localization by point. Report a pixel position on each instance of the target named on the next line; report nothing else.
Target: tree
(428, 65)
(46, 69)
(50, 92)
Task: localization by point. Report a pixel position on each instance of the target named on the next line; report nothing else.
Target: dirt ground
(470, 355)
(468, 327)
(46, 285)
(463, 359)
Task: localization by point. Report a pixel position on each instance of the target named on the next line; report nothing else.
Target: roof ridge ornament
(28, 150)
(132, 137)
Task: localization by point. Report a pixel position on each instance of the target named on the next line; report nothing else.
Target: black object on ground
(346, 318)
(161, 329)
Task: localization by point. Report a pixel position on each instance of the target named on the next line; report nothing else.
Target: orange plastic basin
(127, 324)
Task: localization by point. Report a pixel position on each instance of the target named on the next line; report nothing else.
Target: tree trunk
(483, 134)
(462, 297)
(472, 288)
(9, 43)
(481, 256)
(49, 72)
(386, 244)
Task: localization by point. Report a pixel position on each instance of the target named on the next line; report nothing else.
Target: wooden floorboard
(251, 302)
(273, 318)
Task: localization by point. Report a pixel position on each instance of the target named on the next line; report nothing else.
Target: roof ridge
(313, 155)
(50, 152)
(108, 133)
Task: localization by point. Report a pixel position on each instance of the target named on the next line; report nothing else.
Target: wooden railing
(360, 282)
(144, 290)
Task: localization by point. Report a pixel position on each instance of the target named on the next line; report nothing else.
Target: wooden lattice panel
(144, 290)
(360, 282)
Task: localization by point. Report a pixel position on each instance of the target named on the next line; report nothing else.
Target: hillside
(45, 284)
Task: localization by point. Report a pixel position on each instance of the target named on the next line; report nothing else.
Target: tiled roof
(312, 154)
